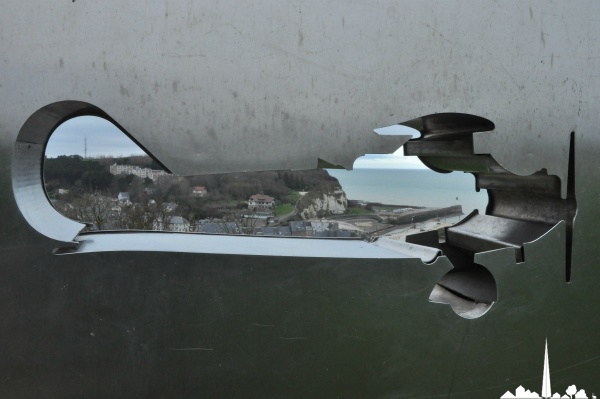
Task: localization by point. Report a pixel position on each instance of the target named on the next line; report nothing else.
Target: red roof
(262, 197)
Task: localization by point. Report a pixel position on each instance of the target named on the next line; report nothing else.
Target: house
(261, 201)
(199, 191)
(269, 217)
(273, 231)
(321, 226)
(178, 223)
(123, 198)
(174, 223)
(301, 228)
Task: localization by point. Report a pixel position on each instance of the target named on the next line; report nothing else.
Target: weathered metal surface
(272, 78)
(521, 208)
(281, 247)
(271, 85)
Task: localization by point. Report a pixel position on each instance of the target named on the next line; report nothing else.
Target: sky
(104, 138)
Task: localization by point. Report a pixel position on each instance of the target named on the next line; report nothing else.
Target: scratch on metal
(192, 349)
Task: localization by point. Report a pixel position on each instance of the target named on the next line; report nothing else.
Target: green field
(358, 211)
(295, 196)
(283, 209)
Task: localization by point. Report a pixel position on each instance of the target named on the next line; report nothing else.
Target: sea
(412, 187)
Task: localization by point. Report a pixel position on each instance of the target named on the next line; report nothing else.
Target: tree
(159, 214)
(67, 170)
(123, 182)
(96, 179)
(136, 189)
(90, 209)
(571, 391)
(137, 217)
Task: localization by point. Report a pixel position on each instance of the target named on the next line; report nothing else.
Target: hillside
(68, 179)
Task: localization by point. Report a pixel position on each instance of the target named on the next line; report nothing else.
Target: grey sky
(104, 138)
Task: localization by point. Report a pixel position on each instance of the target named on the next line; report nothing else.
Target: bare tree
(136, 217)
(89, 208)
(157, 216)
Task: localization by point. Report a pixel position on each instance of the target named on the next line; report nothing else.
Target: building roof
(335, 234)
(221, 228)
(261, 197)
(178, 220)
(300, 226)
(273, 231)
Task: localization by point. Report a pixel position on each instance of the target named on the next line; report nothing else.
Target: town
(136, 193)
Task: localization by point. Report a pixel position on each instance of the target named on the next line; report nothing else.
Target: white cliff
(322, 202)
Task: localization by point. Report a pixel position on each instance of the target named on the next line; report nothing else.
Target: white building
(136, 171)
(261, 201)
